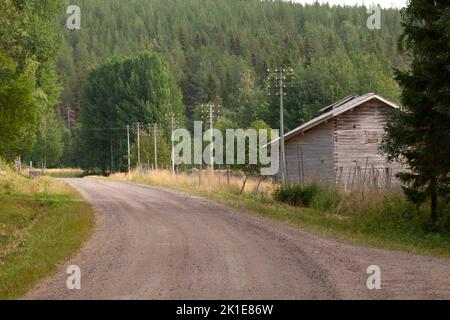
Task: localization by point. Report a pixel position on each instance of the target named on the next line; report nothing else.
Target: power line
(102, 129)
(212, 114)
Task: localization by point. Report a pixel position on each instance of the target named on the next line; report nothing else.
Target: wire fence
(357, 175)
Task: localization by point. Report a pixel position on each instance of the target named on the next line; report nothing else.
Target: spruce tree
(418, 135)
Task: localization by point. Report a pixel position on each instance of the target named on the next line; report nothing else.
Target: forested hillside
(211, 51)
(218, 51)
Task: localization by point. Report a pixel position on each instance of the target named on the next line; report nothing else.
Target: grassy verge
(376, 218)
(42, 222)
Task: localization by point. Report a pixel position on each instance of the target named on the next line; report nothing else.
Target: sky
(382, 3)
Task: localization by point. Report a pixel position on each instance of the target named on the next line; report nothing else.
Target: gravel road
(151, 243)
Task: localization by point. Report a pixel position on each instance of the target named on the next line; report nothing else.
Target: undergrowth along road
(42, 223)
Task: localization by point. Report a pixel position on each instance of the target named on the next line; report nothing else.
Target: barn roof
(334, 110)
(339, 103)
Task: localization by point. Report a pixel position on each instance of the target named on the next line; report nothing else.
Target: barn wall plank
(317, 148)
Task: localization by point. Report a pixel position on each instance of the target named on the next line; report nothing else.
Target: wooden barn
(341, 145)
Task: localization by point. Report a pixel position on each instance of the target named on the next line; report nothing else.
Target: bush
(329, 199)
(296, 195)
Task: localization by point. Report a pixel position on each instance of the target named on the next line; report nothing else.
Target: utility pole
(128, 146)
(281, 76)
(155, 150)
(68, 117)
(213, 114)
(138, 147)
(173, 143)
(283, 159)
(112, 156)
(211, 154)
(172, 119)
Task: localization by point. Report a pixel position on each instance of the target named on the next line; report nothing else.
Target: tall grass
(206, 180)
(65, 173)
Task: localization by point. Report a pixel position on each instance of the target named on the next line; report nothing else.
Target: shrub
(296, 195)
(328, 199)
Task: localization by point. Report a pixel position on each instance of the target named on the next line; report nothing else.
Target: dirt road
(152, 243)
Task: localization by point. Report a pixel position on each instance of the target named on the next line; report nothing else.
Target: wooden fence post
(358, 177)
(298, 166)
(365, 172)
(286, 167)
(388, 177)
(348, 179)
(255, 193)
(340, 176)
(243, 185)
(354, 175)
(220, 175)
(374, 177)
(302, 166)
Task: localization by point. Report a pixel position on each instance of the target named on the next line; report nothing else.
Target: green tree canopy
(49, 147)
(124, 91)
(28, 81)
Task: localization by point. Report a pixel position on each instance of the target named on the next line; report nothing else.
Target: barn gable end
(357, 137)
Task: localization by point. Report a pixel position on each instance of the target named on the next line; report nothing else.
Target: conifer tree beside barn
(420, 133)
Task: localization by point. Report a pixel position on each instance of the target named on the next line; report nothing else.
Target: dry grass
(11, 183)
(208, 181)
(56, 173)
(64, 170)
